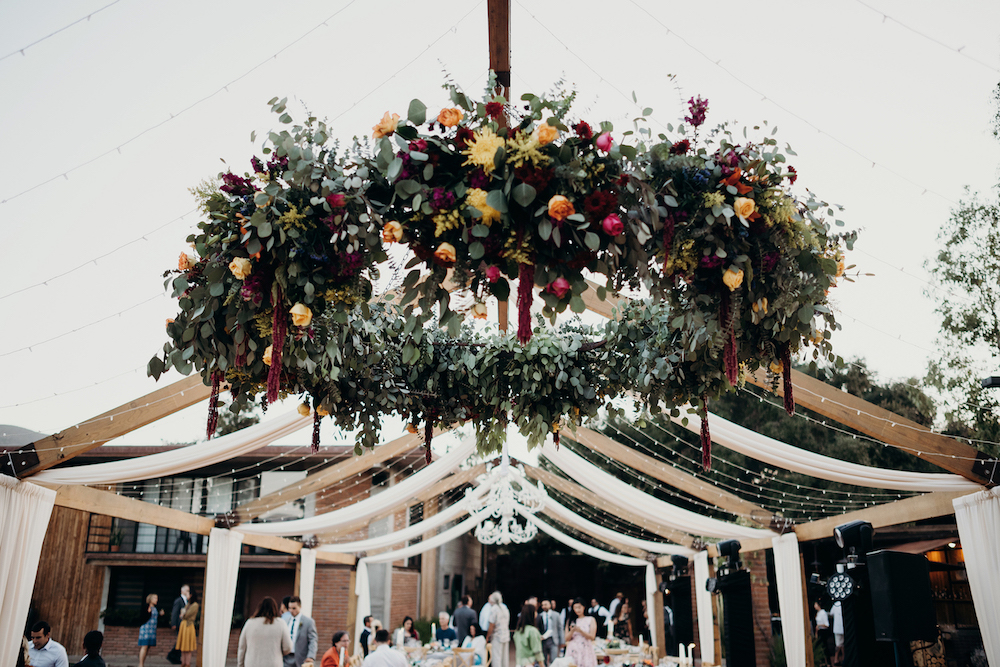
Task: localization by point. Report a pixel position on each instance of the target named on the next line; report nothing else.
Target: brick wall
(757, 565)
(695, 637)
(331, 593)
(121, 644)
(405, 596)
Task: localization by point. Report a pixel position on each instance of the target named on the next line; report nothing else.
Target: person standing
(45, 651)
(341, 644)
(550, 627)
(92, 643)
(823, 631)
(580, 632)
(384, 655)
(527, 639)
(613, 607)
(484, 616)
(623, 622)
(366, 636)
(837, 612)
(498, 632)
(264, 639)
(464, 618)
(187, 636)
(286, 615)
(179, 604)
(147, 631)
(305, 641)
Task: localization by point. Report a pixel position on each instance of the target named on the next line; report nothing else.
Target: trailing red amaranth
(706, 437)
(525, 283)
(278, 331)
(786, 376)
(213, 404)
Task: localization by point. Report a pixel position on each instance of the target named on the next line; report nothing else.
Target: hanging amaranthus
(786, 376)
(213, 404)
(315, 440)
(278, 331)
(729, 331)
(525, 284)
(706, 437)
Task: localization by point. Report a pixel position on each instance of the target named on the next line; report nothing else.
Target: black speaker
(737, 618)
(902, 606)
(680, 603)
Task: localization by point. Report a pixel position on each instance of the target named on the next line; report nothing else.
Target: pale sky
(890, 123)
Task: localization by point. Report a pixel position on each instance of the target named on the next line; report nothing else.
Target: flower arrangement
(277, 299)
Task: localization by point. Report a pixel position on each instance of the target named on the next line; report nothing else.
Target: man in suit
(366, 635)
(464, 617)
(305, 641)
(179, 604)
(550, 625)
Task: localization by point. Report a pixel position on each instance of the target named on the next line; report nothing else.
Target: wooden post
(429, 569)
(498, 16)
(805, 605)
(352, 606)
(661, 645)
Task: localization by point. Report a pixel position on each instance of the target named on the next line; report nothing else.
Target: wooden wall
(67, 591)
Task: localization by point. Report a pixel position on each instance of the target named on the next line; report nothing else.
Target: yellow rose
(445, 253)
(744, 207)
(450, 117)
(560, 208)
(777, 367)
(479, 311)
(267, 355)
(840, 267)
(392, 232)
(301, 315)
(185, 261)
(412, 429)
(546, 134)
(760, 306)
(322, 412)
(241, 267)
(733, 278)
(304, 409)
(385, 127)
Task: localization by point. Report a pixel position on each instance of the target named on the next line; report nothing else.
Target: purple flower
(442, 199)
(253, 289)
(236, 185)
(479, 180)
(769, 261)
(258, 166)
(697, 108)
(710, 262)
(349, 263)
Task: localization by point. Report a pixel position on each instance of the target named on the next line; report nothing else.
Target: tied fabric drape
(25, 510)
(369, 507)
(220, 594)
(703, 599)
(165, 464)
(788, 568)
(978, 519)
(307, 579)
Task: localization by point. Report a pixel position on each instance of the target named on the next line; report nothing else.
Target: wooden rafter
(94, 432)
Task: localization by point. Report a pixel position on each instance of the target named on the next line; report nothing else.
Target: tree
(231, 421)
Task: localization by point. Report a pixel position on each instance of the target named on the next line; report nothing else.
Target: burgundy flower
(599, 204)
(710, 262)
(463, 136)
(681, 147)
(349, 263)
(336, 200)
(258, 166)
(612, 225)
(442, 199)
(536, 177)
(494, 109)
(697, 108)
(236, 185)
(793, 175)
(418, 145)
(583, 130)
(769, 261)
(479, 179)
(493, 273)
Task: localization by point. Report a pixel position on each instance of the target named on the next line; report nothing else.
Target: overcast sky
(143, 100)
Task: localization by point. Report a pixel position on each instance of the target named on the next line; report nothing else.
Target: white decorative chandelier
(506, 497)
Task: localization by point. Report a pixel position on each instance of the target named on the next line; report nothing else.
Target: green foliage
(124, 616)
(236, 418)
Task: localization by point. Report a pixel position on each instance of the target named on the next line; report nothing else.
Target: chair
(356, 660)
(489, 655)
(464, 657)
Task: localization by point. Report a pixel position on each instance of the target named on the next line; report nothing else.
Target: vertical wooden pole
(805, 605)
(429, 569)
(498, 17)
(660, 620)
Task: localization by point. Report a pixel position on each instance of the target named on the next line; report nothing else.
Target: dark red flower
(600, 204)
(463, 136)
(793, 175)
(710, 262)
(681, 147)
(769, 261)
(583, 130)
(336, 200)
(536, 177)
(494, 109)
(479, 179)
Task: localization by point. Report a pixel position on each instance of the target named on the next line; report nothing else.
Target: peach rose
(560, 208)
(385, 127)
(450, 117)
(777, 367)
(267, 355)
(392, 232)
(170, 321)
(733, 278)
(241, 267)
(546, 134)
(302, 316)
(304, 409)
(322, 412)
(412, 429)
(185, 262)
(760, 305)
(744, 208)
(445, 253)
(840, 268)
(479, 311)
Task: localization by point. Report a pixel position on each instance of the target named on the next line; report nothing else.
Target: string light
(53, 34)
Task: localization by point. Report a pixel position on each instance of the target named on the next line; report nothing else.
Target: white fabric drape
(307, 579)
(788, 569)
(364, 607)
(165, 464)
(768, 450)
(25, 510)
(600, 554)
(706, 627)
(568, 516)
(220, 594)
(978, 519)
(369, 507)
(613, 489)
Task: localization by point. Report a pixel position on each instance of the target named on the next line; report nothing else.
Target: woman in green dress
(527, 639)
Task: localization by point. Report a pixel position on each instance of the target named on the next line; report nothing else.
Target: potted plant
(116, 539)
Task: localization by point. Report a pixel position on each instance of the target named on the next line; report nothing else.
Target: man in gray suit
(304, 638)
(549, 623)
(179, 604)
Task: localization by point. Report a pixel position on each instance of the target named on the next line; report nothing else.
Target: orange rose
(744, 208)
(170, 321)
(304, 409)
(385, 127)
(184, 262)
(450, 117)
(241, 267)
(322, 412)
(840, 268)
(301, 315)
(410, 428)
(560, 208)
(733, 278)
(777, 367)
(546, 134)
(267, 355)
(445, 253)
(392, 232)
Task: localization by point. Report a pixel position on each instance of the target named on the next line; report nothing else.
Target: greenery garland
(276, 298)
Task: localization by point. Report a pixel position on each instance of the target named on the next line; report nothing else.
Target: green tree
(231, 421)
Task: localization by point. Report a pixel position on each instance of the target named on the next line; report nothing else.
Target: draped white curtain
(369, 507)
(25, 510)
(220, 594)
(788, 569)
(165, 464)
(613, 489)
(651, 607)
(307, 579)
(706, 628)
(760, 447)
(978, 518)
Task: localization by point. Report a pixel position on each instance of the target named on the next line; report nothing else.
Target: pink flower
(336, 200)
(559, 287)
(493, 273)
(604, 142)
(613, 225)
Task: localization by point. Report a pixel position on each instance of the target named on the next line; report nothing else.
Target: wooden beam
(888, 427)
(498, 16)
(608, 506)
(327, 477)
(94, 432)
(668, 474)
(429, 568)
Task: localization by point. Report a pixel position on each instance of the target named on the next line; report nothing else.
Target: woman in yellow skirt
(187, 637)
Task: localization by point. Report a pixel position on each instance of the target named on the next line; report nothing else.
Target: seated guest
(475, 640)
(384, 655)
(341, 642)
(410, 635)
(444, 632)
(92, 643)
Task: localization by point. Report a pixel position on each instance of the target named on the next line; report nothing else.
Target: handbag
(174, 656)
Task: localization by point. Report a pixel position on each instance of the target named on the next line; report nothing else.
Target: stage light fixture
(840, 587)
(855, 538)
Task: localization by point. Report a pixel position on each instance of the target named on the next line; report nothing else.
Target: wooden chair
(464, 657)
(489, 655)
(356, 660)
